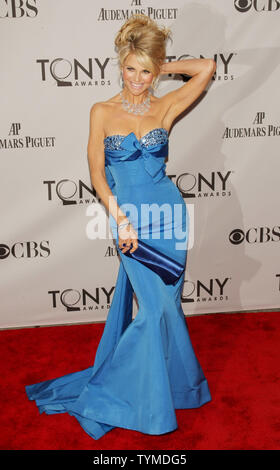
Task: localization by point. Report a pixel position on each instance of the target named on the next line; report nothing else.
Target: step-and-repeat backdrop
(57, 59)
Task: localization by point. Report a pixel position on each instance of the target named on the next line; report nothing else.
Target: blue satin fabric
(144, 368)
(167, 268)
(132, 149)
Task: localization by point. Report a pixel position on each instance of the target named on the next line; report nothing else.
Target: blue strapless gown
(145, 367)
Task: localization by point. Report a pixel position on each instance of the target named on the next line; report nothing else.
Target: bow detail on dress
(150, 155)
(131, 148)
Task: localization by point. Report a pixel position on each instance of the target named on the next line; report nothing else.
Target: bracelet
(124, 224)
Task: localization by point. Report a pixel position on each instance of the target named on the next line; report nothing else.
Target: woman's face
(136, 78)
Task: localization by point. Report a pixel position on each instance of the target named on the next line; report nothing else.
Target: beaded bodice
(151, 149)
(153, 137)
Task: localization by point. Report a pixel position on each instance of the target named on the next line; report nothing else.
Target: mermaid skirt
(145, 368)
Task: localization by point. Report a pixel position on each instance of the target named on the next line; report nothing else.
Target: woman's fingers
(126, 247)
(135, 245)
(128, 236)
(126, 244)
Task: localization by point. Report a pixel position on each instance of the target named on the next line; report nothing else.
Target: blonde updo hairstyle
(142, 36)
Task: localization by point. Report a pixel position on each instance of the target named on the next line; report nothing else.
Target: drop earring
(122, 82)
(155, 83)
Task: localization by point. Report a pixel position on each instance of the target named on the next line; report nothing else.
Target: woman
(145, 367)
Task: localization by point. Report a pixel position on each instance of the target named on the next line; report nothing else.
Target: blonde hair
(142, 36)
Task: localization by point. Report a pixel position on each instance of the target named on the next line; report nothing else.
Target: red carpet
(239, 354)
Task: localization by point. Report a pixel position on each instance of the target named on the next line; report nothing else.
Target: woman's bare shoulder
(102, 107)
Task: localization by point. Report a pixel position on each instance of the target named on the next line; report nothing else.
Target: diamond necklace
(138, 108)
